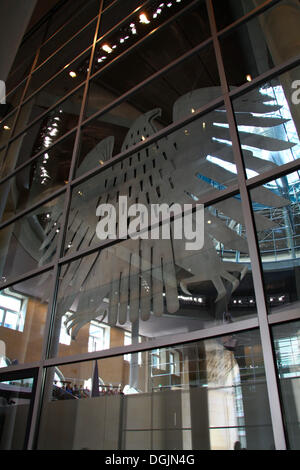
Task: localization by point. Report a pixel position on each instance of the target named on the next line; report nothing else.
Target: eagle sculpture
(136, 279)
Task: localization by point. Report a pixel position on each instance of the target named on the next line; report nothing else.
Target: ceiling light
(144, 19)
(73, 74)
(107, 48)
(248, 78)
(7, 128)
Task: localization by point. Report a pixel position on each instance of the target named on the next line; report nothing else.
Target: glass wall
(208, 395)
(149, 245)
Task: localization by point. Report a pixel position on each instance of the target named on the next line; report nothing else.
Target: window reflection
(25, 243)
(206, 395)
(23, 312)
(279, 244)
(268, 125)
(255, 43)
(287, 347)
(38, 180)
(15, 399)
(41, 135)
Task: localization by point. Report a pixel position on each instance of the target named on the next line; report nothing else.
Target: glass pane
(116, 12)
(279, 239)
(70, 78)
(268, 122)
(62, 58)
(192, 288)
(44, 133)
(163, 25)
(22, 330)
(253, 48)
(287, 347)
(15, 400)
(173, 96)
(209, 394)
(228, 11)
(75, 21)
(143, 61)
(36, 181)
(25, 57)
(28, 242)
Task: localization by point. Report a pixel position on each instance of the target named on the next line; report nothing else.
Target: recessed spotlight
(7, 128)
(144, 19)
(73, 74)
(248, 78)
(107, 48)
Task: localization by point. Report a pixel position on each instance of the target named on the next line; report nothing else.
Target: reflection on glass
(287, 347)
(151, 284)
(66, 24)
(39, 180)
(15, 398)
(268, 122)
(279, 239)
(69, 79)
(23, 312)
(206, 395)
(145, 22)
(228, 11)
(253, 48)
(62, 58)
(167, 99)
(143, 60)
(25, 244)
(44, 133)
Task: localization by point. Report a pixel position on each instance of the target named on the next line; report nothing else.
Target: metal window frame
(263, 322)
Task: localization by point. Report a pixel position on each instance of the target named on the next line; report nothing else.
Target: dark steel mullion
(51, 37)
(53, 77)
(158, 342)
(118, 100)
(149, 141)
(63, 226)
(272, 174)
(84, 99)
(64, 44)
(147, 81)
(266, 341)
(266, 76)
(51, 314)
(35, 412)
(140, 41)
(41, 116)
(26, 276)
(123, 20)
(18, 108)
(291, 63)
(64, 25)
(26, 211)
